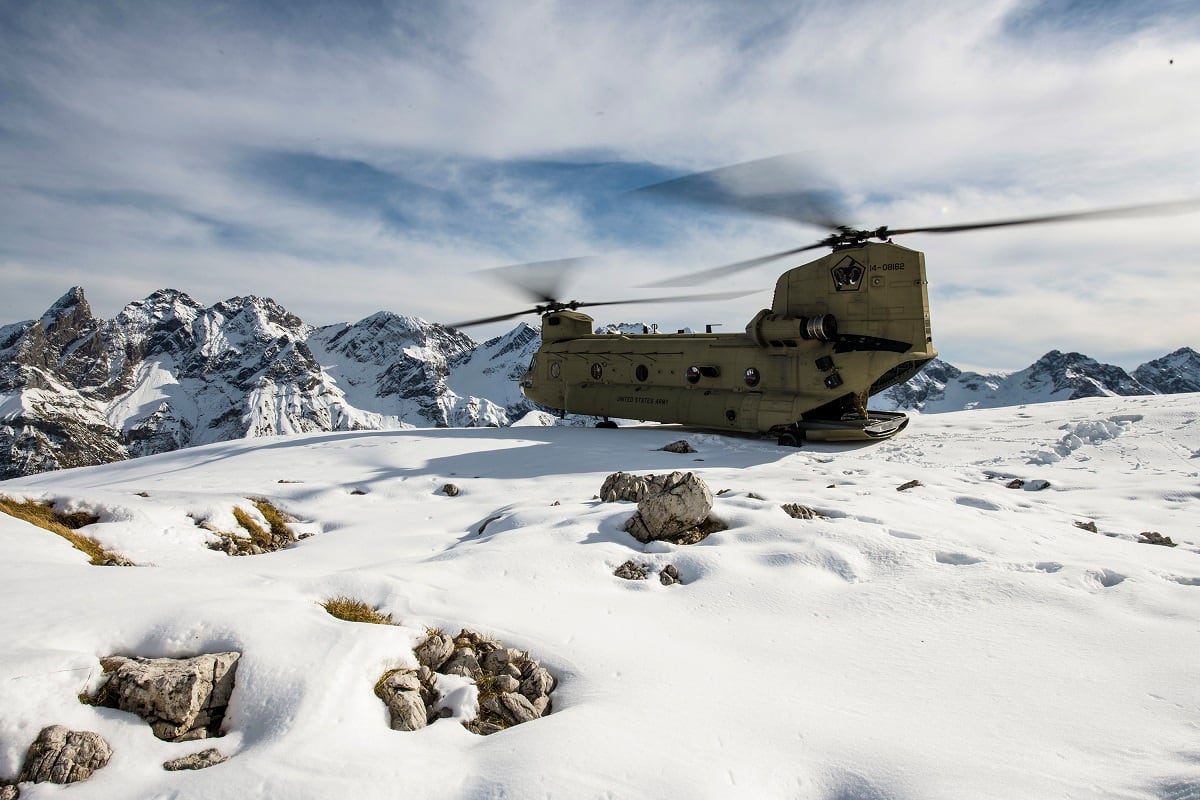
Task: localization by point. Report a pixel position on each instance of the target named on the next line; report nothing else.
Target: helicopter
(840, 329)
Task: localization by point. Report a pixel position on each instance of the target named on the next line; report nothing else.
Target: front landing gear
(607, 423)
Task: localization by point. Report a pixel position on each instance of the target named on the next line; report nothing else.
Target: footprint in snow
(978, 502)
(957, 559)
(1104, 577)
(1182, 581)
(903, 534)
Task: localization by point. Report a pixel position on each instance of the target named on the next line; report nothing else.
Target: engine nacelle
(773, 330)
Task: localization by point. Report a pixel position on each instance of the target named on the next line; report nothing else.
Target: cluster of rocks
(798, 511)
(1154, 537)
(259, 540)
(512, 687)
(182, 699)
(674, 508)
(632, 571)
(1029, 486)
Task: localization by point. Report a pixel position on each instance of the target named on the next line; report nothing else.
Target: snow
(957, 639)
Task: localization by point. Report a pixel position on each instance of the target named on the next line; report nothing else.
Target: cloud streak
(344, 158)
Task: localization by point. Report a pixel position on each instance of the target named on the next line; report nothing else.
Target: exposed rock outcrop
(678, 510)
(182, 699)
(59, 755)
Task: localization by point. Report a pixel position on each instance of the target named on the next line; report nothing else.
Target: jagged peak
(264, 313)
(72, 303)
(163, 304)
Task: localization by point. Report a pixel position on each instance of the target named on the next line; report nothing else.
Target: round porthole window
(751, 376)
(641, 373)
(692, 375)
(597, 371)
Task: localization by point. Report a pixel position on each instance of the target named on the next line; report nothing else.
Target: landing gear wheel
(608, 423)
(790, 439)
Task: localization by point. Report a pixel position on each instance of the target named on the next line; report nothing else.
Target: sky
(346, 158)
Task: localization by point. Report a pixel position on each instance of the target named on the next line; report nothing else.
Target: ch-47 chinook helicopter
(841, 328)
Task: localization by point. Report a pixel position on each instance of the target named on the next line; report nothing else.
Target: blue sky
(346, 158)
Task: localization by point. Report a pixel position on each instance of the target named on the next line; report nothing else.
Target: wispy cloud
(347, 157)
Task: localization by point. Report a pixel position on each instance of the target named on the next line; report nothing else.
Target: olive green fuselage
(840, 329)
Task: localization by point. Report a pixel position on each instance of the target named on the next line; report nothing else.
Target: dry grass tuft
(353, 610)
(44, 516)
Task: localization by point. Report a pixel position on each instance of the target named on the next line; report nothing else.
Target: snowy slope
(958, 639)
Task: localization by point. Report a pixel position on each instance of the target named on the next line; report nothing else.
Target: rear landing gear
(608, 423)
(791, 439)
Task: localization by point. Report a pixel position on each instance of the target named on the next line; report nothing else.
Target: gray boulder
(669, 575)
(182, 699)
(674, 512)
(59, 755)
(681, 446)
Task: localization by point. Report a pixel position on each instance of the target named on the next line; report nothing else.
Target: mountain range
(168, 372)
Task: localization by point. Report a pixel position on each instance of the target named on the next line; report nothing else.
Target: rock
(9, 791)
(401, 693)
(202, 760)
(683, 503)
(506, 683)
(682, 446)
(59, 755)
(450, 490)
(904, 487)
(797, 511)
(631, 572)
(512, 708)
(1015, 483)
(463, 662)
(1087, 526)
(1154, 537)
(182, 699)
(669, 575)
(496, 661)
(434, 650)
(1036, 485)
(539, 683)
(628, 487)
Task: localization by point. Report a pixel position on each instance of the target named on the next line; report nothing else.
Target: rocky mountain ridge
(168, 372)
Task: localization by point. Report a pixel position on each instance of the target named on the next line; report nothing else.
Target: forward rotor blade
(673, 299)
(713, 273)
(499, 318)
(539, 280)
(1145, 210)
(768, 187)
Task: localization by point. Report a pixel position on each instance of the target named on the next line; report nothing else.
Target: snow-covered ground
(958, 639)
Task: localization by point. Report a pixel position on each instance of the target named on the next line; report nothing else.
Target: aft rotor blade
(772, 187)
(539, 280)
(706, 275)
(1145, 210)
